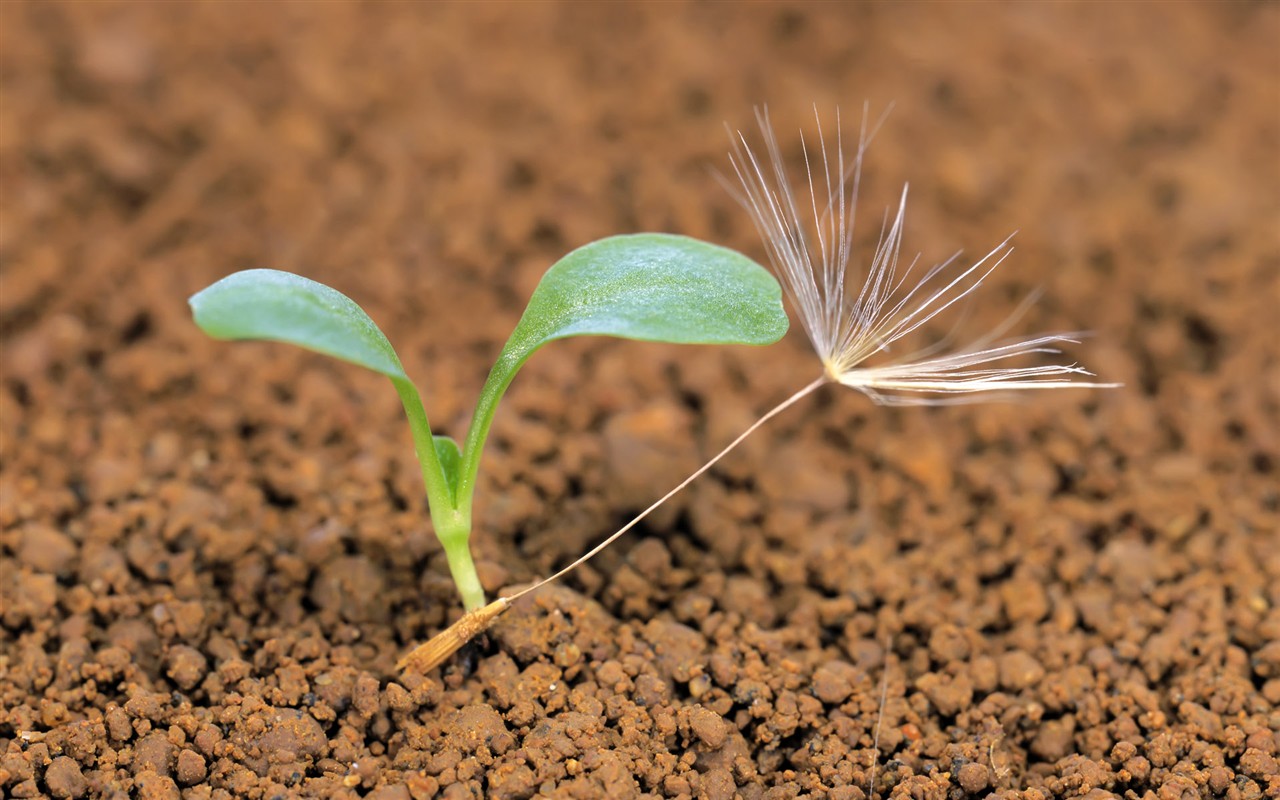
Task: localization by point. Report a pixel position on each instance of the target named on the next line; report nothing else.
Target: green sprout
(649, 287)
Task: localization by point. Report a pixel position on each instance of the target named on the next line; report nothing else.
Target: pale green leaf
(283, 307)
(450, 459)
(649, 286)
(653, 287)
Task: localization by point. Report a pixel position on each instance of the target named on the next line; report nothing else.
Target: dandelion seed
(810, 251)
(846, 329)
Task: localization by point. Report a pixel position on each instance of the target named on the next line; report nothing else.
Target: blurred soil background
(211, 555)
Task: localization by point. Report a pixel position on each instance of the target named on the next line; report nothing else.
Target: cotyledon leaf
(283, 307)
(653, 287)
(648, 286)
(279, 306)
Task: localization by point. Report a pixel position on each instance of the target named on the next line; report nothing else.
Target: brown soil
(212, 555)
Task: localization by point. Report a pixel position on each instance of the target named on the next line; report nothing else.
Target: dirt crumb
(974, 778)
(191, 768)
(154, 753)
(707, 726)
(833, 682)
(151, 786)
(64, 778)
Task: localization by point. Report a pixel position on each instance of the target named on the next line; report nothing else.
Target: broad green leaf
(649, 286)
(283, 307)
(450, 459)
(653, 287)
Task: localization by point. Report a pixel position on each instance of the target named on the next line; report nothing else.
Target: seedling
(853, 332)
(652, 287)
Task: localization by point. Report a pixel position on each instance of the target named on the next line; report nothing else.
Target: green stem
(458, 553)
(452, 524)
(494, 387)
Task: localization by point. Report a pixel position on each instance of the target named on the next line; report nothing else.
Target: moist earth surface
(212, 555)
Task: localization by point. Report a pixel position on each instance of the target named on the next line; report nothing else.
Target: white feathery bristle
(810, 254)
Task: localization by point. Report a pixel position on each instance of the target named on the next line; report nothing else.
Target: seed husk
(433, 652)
